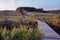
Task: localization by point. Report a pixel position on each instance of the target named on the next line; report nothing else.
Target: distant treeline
(32, 9)
(53, 11)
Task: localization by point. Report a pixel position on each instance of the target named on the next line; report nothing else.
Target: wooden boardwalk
(49, 33)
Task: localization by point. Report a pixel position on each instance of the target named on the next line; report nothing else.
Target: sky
(45, 4)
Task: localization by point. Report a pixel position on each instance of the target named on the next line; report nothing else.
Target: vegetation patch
(22, 29)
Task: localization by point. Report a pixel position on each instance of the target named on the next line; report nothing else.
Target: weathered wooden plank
(49, 33)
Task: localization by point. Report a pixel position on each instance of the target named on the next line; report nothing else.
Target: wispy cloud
(46, 4)
(13, 4)
(7, 5)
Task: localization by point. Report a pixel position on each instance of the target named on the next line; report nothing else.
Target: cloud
(13, 4)
(7, 5)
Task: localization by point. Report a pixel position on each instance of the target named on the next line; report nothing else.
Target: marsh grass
(21, 33)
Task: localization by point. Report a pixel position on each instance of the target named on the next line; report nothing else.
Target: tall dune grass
(21, 33)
